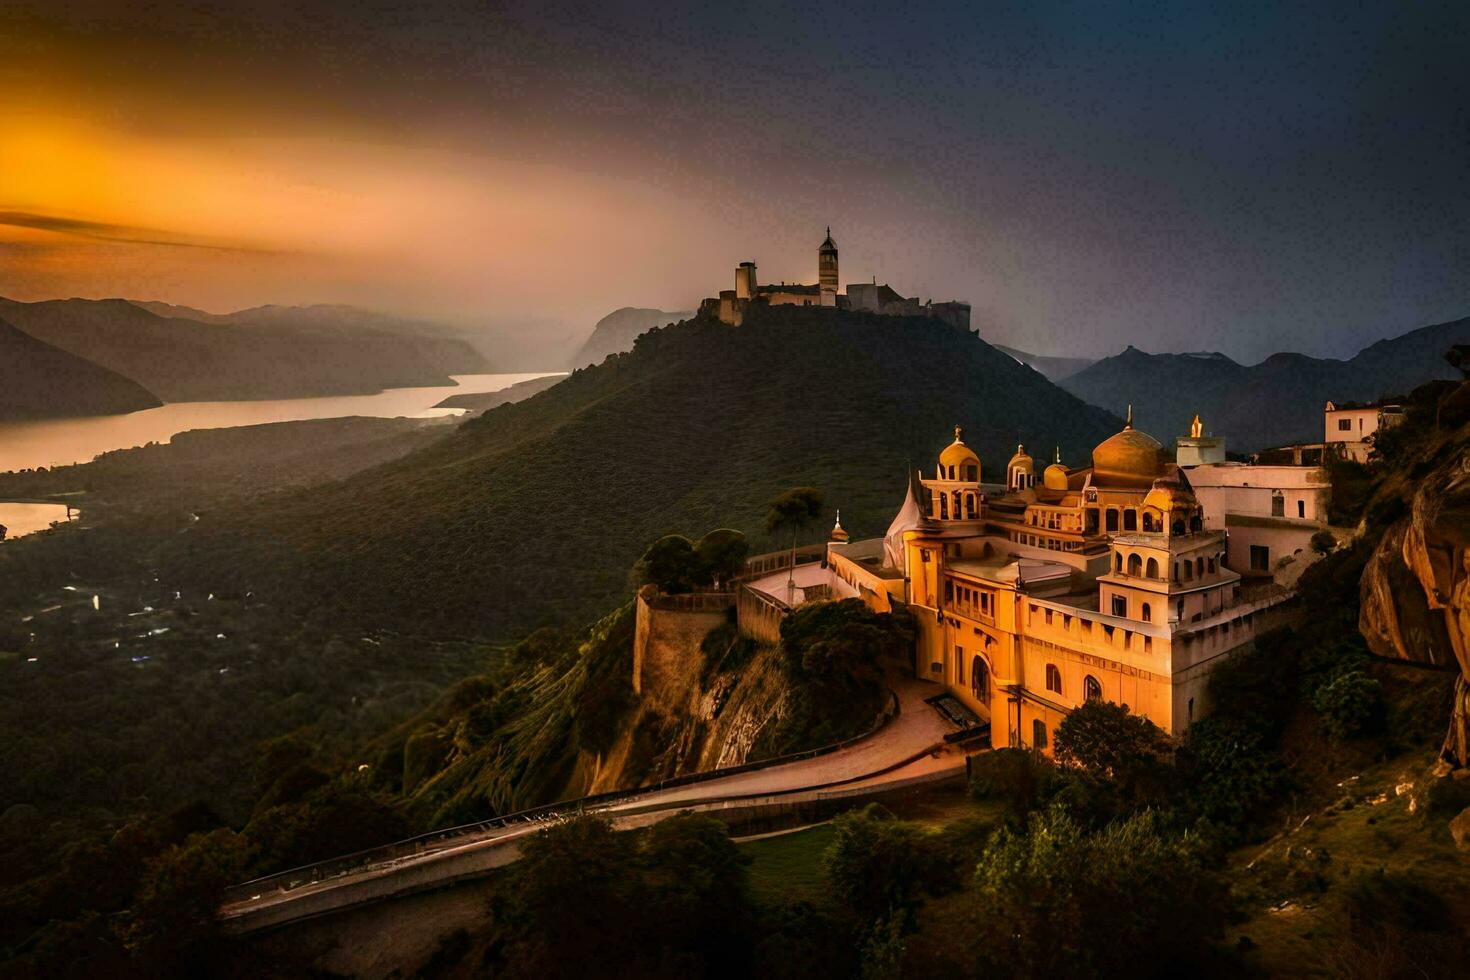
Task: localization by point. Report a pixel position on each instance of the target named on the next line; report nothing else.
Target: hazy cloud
(104, 231)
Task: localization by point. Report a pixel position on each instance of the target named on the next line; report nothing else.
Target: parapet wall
(667, 634)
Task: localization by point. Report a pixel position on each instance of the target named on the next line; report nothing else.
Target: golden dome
(1055, 477)
(958, 455)
(839, 533)
(1129, 456)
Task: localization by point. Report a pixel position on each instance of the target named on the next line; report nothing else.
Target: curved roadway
(909, 749)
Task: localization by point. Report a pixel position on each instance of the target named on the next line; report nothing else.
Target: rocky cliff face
(1416, 587)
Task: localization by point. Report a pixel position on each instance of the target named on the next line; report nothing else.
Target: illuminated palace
(1038, 594)
(732, 304)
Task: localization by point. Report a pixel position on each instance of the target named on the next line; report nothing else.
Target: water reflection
(21, 519)
(58, 442)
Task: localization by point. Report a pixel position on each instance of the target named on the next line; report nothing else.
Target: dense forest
(531, 514)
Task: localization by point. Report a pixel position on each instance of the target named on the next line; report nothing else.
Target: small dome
(1020, 459)
(839, 533)
(1055, 477)
(1171, 493)
(958, 455)
(1129, 456)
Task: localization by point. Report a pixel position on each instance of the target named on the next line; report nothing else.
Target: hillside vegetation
(40, 381)
(532, 513)
(1276, 402)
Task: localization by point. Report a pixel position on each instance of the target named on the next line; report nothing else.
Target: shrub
(1351, 705)
(881, 867)
(1323, 542)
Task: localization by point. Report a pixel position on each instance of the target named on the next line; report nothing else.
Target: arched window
(1153, 568)
(1148, 613)
(1053, 679)
(1130, 520)
(1111, 519)
(944, 506)
(1178, 526)
(1091, 688)
(1211, 564)
(970, 506)
(1118, 562)
(1148, 521)
(1199, 567)
(1188, 570)
(1135, 565)
(980, 679)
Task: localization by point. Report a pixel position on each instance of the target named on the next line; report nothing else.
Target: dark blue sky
(1180, 177)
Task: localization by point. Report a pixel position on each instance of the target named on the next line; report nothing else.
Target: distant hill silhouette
(482, 401)
(39, 381)
(1051, 368)
(180, 359)
(442, 345)
(616, 332)
(534, 512)
(1276, 402)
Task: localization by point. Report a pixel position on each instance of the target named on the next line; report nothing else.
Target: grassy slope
(533, 512)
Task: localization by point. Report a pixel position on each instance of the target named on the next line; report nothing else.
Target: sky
(1237, 177)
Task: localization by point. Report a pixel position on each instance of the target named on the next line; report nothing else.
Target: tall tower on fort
(827, 270)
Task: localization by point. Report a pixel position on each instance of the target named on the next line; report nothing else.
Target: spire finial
(1058, 457)
(957, 431)
(1130, 416)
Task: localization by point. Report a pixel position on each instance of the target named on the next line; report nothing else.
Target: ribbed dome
(1129, 456)
(1171, 493)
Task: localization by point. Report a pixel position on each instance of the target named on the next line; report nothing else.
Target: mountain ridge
(178, 359)
(40, 381)
(1277, 401)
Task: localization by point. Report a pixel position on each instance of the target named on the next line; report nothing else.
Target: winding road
(910, 749)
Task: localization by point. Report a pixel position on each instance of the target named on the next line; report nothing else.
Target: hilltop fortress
(869, 297)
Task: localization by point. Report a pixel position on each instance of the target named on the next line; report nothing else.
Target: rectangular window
(1344, 425)
(1048, 617)
(959, 664)
(1120, 606)
(1278, 506)
(1038, 734)
(1301, 508)
(1260, 558)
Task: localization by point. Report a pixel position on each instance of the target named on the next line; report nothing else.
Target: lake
(21, 519)
(59, 442)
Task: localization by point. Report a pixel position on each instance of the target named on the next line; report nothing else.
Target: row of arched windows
(966, 506)
(1091, 686)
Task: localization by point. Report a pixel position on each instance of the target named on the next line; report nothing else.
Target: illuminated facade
(1036, 595)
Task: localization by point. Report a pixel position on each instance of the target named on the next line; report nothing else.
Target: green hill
(40, 381)
(533, 512)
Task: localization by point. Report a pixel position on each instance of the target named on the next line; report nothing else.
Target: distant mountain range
(39, 381)
(616, 332)
(1276, 402)
(181, 354)
(533, 513)
(1051, 368)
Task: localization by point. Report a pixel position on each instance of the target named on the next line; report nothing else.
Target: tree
(669, 564)
(1055, 901)
(173, 914)
(1107, 741)
(721, 553)
(793, 512)
(882, 867)
(1351, 704)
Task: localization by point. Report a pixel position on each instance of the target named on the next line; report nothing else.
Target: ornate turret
(958, 461)
(827, 270)
(839, 533)
(1020, 471)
